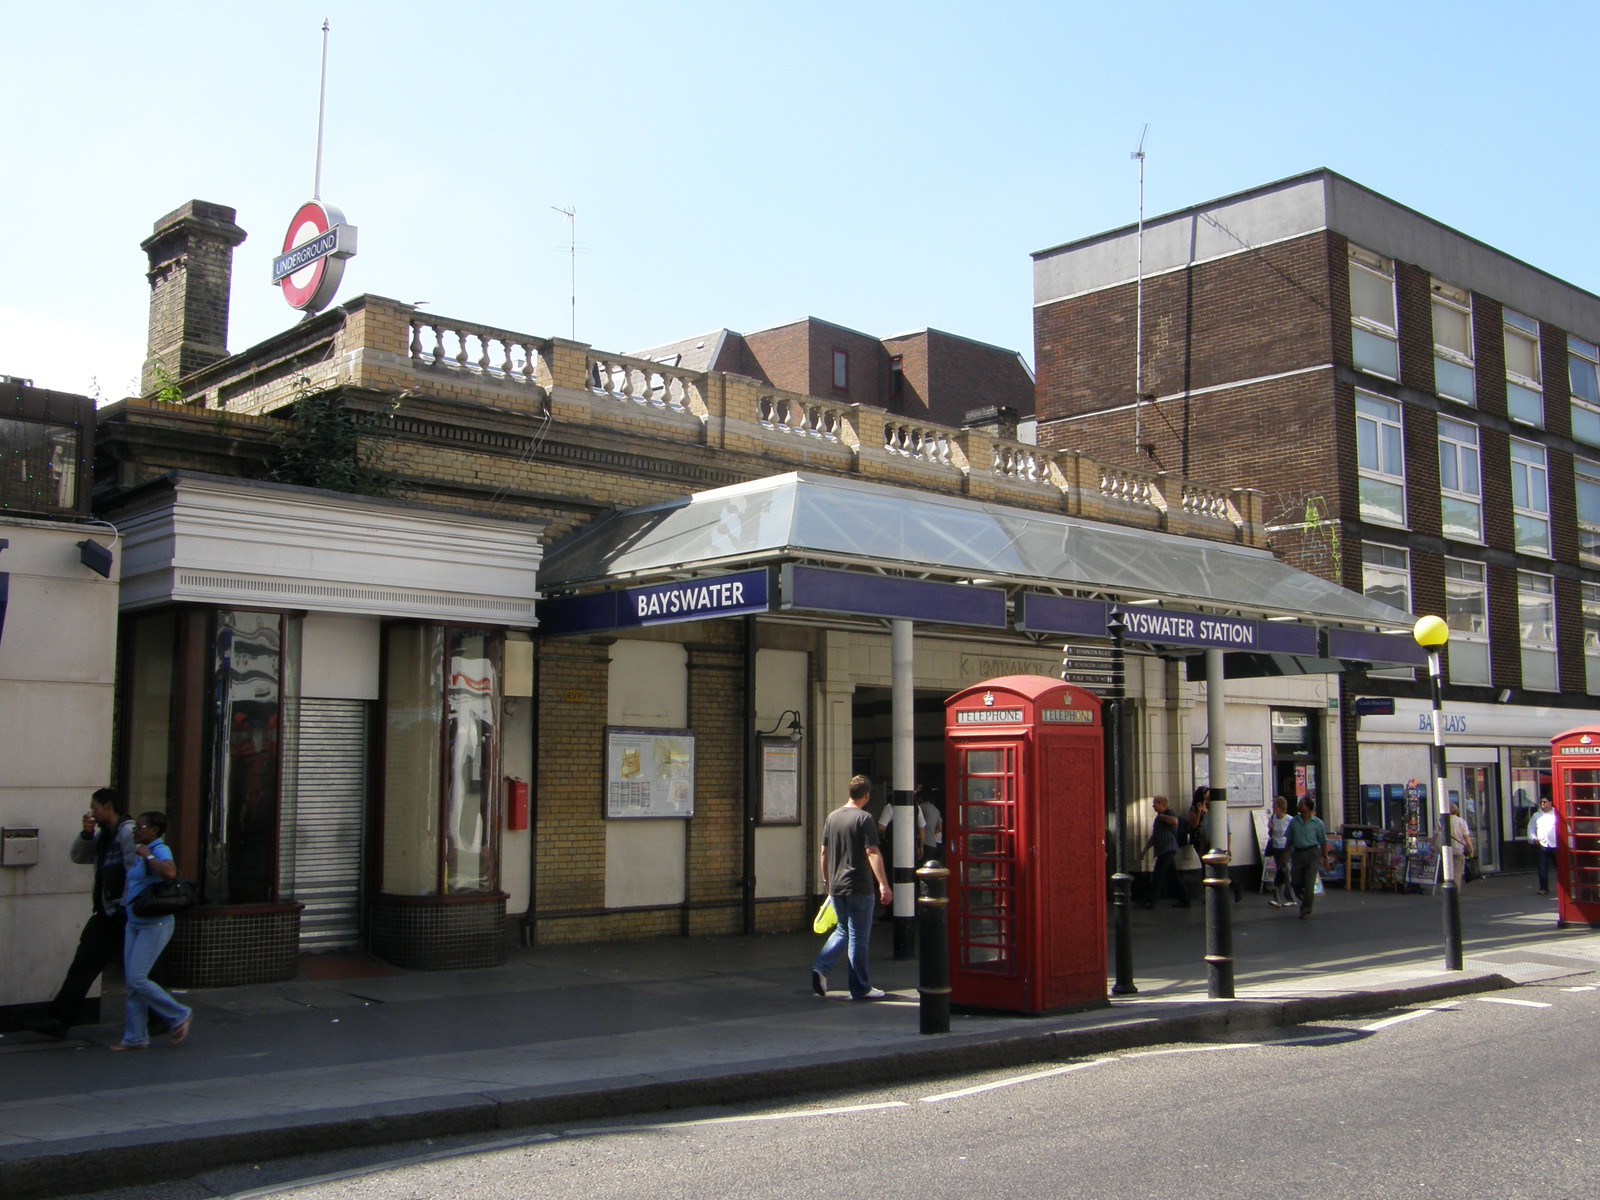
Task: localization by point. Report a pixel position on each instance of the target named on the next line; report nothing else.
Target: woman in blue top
(146, 938)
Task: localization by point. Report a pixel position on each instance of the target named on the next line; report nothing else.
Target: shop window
(240, 812)
(1536, 611)
(1380, 449)
(1460, 481)
(441, 719)
(1375, 340)
(149, 672)
(1583, 376)
(1524, 386)
(1466, 601)
(1453, 373)
(1530, 498)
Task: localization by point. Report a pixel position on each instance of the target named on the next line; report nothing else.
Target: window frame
(841, 370)
(1540, 670)
(1525, 472)
(1459, 450)
(1383, 269)
(1589, 601)
(1467, 646)
(1586, 476)
(1585, 356)
(1457, 300)
(1378, 474)
(1519, 328)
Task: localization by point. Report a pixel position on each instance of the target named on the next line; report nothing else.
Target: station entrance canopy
(823, 544)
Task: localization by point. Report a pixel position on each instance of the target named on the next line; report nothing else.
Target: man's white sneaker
(872, 994)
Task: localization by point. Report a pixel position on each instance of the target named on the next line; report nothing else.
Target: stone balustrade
(496, 354)
(382, 345)
(802, 416)
(643, 382)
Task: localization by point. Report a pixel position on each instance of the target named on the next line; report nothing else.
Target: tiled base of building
(229, 947)
(565, 929)
(440, 933)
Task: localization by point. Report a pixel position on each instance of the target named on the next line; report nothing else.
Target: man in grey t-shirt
(850, 863)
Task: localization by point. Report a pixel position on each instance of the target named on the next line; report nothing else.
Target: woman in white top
(1278, 846)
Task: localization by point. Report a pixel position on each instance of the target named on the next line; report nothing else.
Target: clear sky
(885, 165)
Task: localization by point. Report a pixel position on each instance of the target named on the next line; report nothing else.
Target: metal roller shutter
(326, 834)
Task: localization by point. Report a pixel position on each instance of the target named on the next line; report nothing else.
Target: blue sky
(885, 165)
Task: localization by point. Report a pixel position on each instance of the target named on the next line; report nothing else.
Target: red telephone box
(1575, 787)
(1025, 832)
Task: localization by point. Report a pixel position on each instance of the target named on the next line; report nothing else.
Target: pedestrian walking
(107, 843)
(1308, 848)
(850, 863)
(1200, 838)
(1163, 842)
(933, 824)
(1460, 843)
(1278, 846)
(1542, 833)
(146, 938)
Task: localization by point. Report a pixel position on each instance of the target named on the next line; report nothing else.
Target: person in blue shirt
(1308, 847)
(146, 938)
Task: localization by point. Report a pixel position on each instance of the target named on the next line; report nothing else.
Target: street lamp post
(1431, 634)
(1121, 881)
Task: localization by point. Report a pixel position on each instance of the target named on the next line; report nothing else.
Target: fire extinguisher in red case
(516, 803)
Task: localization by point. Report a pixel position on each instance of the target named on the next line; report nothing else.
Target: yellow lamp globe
(1431, 632)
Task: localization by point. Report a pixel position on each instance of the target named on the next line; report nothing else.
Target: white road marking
(1001, 1083)
(1518, 1003)
(1585, 988)
(1410, 1016)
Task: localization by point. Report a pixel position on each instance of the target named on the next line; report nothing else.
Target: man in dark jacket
(107, 843)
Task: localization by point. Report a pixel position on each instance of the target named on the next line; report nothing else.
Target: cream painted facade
(57, 664)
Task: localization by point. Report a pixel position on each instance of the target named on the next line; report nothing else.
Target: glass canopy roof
(849, 522)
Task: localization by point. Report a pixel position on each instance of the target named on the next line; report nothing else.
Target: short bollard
(933, 969)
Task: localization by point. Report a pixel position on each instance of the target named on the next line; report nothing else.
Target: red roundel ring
(311, 220)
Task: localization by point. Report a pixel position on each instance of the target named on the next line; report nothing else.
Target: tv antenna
(1138, 327)
(570, 215)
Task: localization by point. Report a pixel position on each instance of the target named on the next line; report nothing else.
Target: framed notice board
(649, 773)
(780, 781)
(1246, 783)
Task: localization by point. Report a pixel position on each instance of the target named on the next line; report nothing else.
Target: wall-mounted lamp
(1505, 696)
(96, 557)
(793, 730)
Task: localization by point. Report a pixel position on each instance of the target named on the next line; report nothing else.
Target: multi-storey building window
(1536, 611)
(1386, 574)
(1460, 481)
(1466, 604)
(1452, 343)
(1530, 498)
(1386, 577)
(1524, 383)
(1375, 339)
(1380, 451)
(1591, 637)
(1583, 374)
(841, 370)
(1587, 477)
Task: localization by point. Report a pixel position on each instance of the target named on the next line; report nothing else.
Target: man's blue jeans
(854, 931)
(142, 945)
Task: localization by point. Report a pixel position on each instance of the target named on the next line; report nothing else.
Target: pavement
(357, 1053)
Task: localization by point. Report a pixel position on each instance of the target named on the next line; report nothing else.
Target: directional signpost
(1090, 666)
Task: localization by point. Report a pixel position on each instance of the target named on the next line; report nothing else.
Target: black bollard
(1219, 926)
(933, 968)
(1121, 904)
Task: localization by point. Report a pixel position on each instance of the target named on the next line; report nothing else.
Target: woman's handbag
(165, 897)
(826, 918)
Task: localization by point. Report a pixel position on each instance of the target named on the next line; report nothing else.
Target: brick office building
(297, 662)
(929, 374)
(1421, 413)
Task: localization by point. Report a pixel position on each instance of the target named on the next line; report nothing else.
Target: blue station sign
(658, 604)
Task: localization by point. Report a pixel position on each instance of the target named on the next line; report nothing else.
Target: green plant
(324, 444)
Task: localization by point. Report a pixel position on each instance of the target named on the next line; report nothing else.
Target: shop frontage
(1497, 767)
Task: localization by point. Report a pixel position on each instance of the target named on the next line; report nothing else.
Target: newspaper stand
(1025, 823)
(1575, 787)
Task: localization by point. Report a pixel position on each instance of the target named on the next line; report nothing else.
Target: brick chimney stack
(191, 273)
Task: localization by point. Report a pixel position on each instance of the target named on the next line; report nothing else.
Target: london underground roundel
(314, 249)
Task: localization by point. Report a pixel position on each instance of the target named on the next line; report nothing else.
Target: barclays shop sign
(1476, 724)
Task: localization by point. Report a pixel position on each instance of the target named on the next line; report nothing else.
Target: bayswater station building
(583, 645)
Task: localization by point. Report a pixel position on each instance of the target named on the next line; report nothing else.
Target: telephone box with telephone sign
(1575, 788)
(1025, 837)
